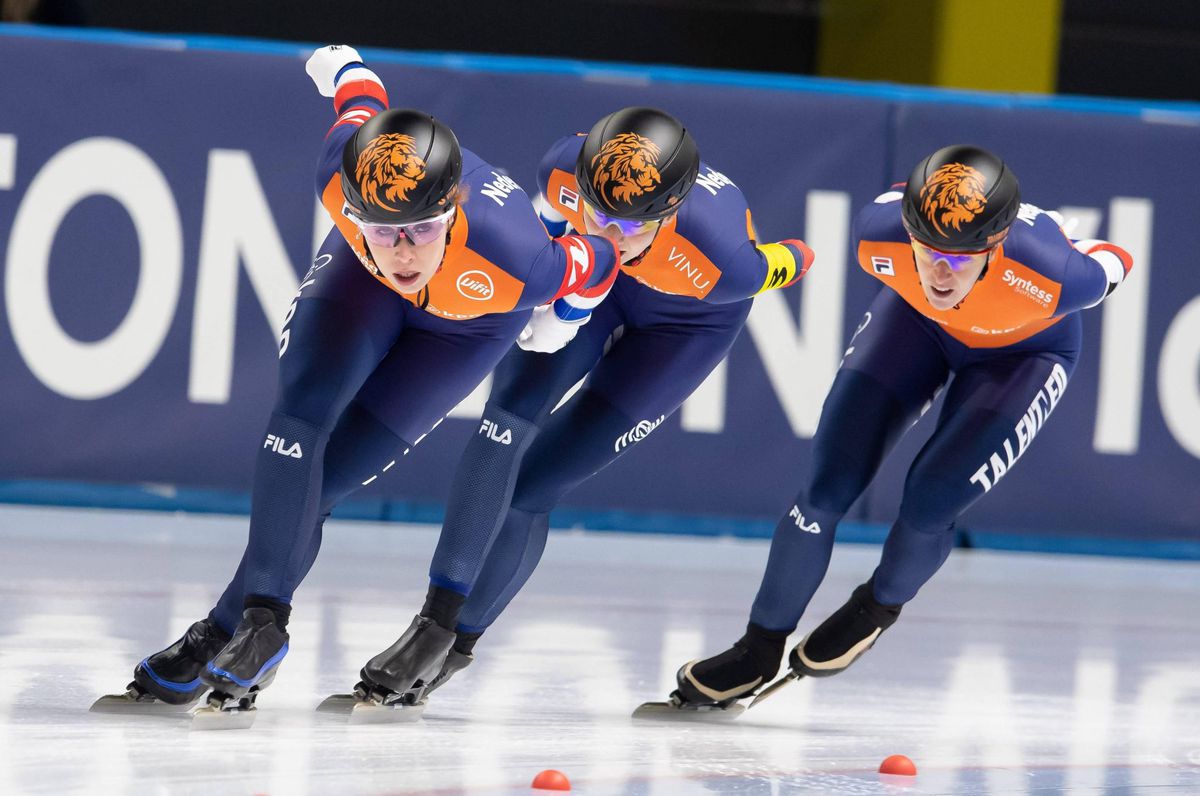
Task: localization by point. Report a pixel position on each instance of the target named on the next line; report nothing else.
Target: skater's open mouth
(406, 278)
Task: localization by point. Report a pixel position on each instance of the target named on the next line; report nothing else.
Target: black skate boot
(711, 688)
(245, 666)
(842, 638)
(838, 641)
(169, 679)
(394, 682)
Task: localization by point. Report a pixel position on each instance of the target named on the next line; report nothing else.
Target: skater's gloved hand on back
(325, 63)
(554, 325)
(546, 333)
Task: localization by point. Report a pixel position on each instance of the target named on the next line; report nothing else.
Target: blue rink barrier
(154, 235)
(159, 497)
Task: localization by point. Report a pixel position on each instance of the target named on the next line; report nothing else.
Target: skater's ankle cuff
(282, 610)
(442, 606)
(766, 646)
(758, 631)
(464, 643)
(217, 627)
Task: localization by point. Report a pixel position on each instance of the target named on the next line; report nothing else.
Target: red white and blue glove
(546, 332)
(327, 64)
(554, 325)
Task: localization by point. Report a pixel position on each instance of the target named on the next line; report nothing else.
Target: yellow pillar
(878, 40)
(999, 45)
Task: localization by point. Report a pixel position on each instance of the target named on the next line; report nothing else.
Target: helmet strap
(449, 233)
(373, 266)
(986, 263)
(636, 261)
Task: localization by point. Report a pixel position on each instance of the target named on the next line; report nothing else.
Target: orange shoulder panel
(468, 284)
(1011, 303)
(674, 265)
(562, 192)
(333, 201)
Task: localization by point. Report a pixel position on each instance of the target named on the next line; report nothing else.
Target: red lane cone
(898, 765)
(552, 780)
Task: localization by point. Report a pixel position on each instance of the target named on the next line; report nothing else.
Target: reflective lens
(626, 227)
(389, 235)
(382, 234)
(955, 261)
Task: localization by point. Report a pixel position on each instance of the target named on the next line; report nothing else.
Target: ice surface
(1009, 673)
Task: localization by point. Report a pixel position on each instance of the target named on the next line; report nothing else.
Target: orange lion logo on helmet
(952, 196)
(626, 167)
(388, 168)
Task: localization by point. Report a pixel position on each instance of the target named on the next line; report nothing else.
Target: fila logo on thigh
(798, 518)
(280, 446)
(492, 431)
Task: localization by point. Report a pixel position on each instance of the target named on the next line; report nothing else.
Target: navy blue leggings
(363, 376)
(894, 367)
(643, 352)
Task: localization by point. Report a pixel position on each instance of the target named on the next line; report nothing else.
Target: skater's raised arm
(358, 94)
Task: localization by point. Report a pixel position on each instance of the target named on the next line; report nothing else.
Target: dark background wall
(1149, 48)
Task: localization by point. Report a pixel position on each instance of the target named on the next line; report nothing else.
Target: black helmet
(637, 164)
(960, 199)
(399, 167)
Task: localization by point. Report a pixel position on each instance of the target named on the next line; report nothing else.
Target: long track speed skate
(225, 711)
(367, 705)
(168, 682)
(714, 688)
(830, 649)
(239, 673)
(676, 708)
(393, 684)
(688, 703)
(138, 702)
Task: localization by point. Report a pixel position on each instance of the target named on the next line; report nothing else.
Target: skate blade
(209, 718)
(359, 711)
(126, 705)
(790, 677)
(669, 711)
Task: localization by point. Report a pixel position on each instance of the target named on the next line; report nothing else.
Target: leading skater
(690, 267)
(978, 287)
(429, 276)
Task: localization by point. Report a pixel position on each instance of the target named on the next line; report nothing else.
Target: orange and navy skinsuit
(670, 318)
(499, 257)
(366, 371)
(1010, 347)
(706, 251)
(1036, 278)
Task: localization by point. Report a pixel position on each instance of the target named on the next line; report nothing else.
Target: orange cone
(555, 780)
